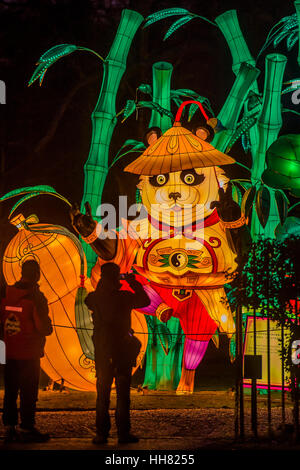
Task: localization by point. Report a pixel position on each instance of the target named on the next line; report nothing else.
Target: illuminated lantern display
(182, 257)
(184, 268)
(69, 349)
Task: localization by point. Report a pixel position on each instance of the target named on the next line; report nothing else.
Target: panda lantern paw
(228, 210)
(84, 224)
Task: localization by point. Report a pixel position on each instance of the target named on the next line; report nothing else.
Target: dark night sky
(198, 52)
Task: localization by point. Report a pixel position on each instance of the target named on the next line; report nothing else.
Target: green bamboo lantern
(269, 125)
(229, 25)
(161, 72)
(270, 120)
(231, 109)
(266, 130)
(162, 371)
(104, 117)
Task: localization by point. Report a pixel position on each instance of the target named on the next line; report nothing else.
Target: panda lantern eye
(159, 180)
(191, 178)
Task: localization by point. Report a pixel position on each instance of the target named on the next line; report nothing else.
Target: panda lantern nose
(174, 196)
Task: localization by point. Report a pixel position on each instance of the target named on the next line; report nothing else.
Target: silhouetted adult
(115, 347)
(25, 324)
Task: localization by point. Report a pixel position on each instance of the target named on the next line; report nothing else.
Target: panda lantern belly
(181, 261)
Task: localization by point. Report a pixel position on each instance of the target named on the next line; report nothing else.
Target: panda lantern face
(179, 170)
(181, 195)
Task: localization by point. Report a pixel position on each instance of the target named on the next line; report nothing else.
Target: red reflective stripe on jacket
(13, 309)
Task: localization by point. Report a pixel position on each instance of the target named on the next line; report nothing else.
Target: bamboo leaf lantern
(291, 227)
(262, 205)
(182, 21)
(247, 201)
(53, 55)
(282, 205)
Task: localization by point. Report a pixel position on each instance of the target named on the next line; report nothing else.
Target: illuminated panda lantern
(183, 264)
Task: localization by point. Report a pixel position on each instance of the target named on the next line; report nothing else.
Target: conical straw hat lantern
(178, 149)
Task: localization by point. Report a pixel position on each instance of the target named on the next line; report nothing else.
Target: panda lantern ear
(202, 132)
(205, 133)
(151, 136)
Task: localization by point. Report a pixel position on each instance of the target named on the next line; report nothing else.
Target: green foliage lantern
(283, 164)
(291, 227)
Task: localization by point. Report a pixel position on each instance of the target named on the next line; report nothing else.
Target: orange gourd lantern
(61, 270)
